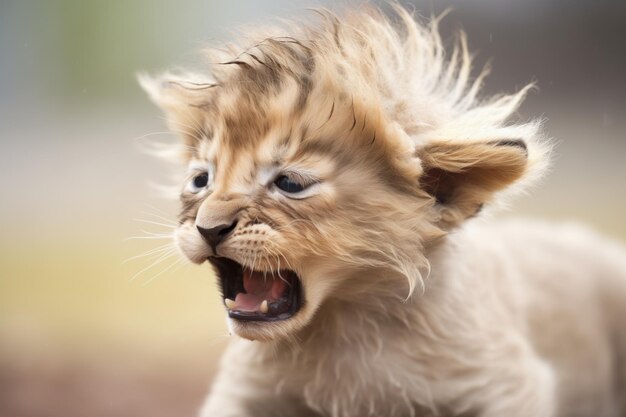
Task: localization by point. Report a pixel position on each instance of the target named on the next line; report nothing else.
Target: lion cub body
(541, 334)
(353, 156)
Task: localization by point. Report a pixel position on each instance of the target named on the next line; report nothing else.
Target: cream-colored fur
(412, 308)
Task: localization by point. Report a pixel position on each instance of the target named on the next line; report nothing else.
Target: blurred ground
(80, 339)
(81, 332)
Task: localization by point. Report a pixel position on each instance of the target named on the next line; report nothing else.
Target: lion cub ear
(184, 102)
(461, 177)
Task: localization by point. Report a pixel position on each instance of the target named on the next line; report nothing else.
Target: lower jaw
(253, 316)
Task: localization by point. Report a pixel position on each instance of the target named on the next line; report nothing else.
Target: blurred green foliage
(90, 50)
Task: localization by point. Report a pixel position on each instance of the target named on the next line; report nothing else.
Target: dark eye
(199, 182)
(289, 185)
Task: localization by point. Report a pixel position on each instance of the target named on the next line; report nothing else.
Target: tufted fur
(411, 309)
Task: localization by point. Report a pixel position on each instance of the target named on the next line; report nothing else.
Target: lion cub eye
(199, 182)
(289, 185)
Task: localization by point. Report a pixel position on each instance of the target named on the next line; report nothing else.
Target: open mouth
(258, 295)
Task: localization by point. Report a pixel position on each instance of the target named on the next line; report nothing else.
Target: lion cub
(333, 170)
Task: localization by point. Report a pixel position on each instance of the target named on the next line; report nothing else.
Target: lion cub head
(323, 164)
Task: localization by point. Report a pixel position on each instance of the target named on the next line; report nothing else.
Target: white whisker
(162, 272)
(162, 248)
(151, 236)
(155, 223)
(153, 264)
(167, 220)
(151, 207)
(139, 138)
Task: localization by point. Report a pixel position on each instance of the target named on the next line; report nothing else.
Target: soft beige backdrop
(78, 335)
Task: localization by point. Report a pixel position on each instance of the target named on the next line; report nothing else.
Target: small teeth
(230, 304)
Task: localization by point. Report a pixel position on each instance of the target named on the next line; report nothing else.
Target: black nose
(215, 235)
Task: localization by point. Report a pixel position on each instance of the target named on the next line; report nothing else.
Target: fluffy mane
(397, 63)
(392, 69)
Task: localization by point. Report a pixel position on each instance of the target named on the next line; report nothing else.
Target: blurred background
(85, 329)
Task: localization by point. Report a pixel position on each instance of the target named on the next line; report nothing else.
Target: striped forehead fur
(394, 67)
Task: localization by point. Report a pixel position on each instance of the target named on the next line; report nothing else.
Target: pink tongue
(258, 287)
(247, 302)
